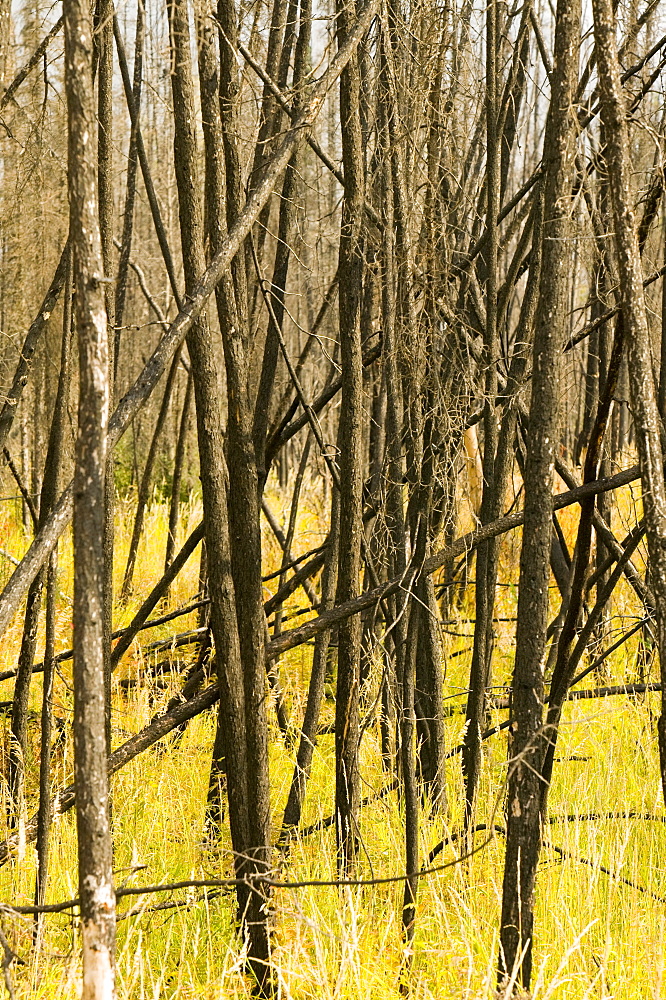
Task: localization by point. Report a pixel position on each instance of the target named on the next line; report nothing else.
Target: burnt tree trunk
(641, 379)
(524, 791)
(351, 459)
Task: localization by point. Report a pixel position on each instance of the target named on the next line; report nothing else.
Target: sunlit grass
(596, 936)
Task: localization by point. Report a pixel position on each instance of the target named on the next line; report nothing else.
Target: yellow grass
(596, 937)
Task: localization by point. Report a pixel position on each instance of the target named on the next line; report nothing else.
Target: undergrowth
(596, 935)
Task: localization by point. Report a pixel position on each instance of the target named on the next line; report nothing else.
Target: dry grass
(596, 937)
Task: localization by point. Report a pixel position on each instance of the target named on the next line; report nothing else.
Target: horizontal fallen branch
(173, 642)
(597, 817)
(561, 851)
(466, 543)
(230, 883)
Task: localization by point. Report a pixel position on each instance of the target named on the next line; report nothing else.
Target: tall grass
(596, 936)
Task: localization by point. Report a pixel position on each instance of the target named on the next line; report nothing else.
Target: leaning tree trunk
(147, 478)
(130, 188)
(178, 470)
(95, 854)
(286, 232)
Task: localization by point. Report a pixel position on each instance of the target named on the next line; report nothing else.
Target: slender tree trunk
(19, 727)
(486, 557)
(178, 470)
(524, 793)
(409, 785)
(286, 233)
(104, 44)
(293, 809)
(147, 479)
(133, 109)
(130, 189)
(28, 348)
(92, 790)
(641, 379)
(239, 637)
(51, 486)
(349, 443)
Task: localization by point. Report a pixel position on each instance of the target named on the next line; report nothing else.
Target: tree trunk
(51, 486)
(486, 556)
(130, 189)
(641, 379)
(178, 470)
(350, 450)
(147, 479)
(294, 806)
(94, 835)
(234, 559)
(524, 792)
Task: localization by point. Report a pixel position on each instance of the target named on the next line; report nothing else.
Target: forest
(333, 499)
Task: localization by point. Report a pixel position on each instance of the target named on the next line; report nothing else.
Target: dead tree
(94, 835)
(641, 379)
(524, 791)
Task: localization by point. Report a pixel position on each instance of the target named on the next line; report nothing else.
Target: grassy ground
(596, 936)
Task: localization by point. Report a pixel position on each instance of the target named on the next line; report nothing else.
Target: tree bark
(53, 474)
(232, 532)
(524, 792)
(147, 479)
(641, 379)
(349, 444)
(486, 556)
(95, 852)
(178, 470)
(286, 233)
(294, 806)
(130, 189)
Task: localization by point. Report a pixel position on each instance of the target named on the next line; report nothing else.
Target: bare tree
(525, 793)
(641, 378)
(90, 744)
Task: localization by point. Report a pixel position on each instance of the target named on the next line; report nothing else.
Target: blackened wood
(349, 444)
(294, 806)
(207, 390)
(486, 554)
(641, 380)
(32, 339)
(160, 230)
(178, 470)
(145, 486)
(286, 232)
(524, 793)
(130, 188)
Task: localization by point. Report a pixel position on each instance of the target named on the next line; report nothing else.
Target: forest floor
(600, 917)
